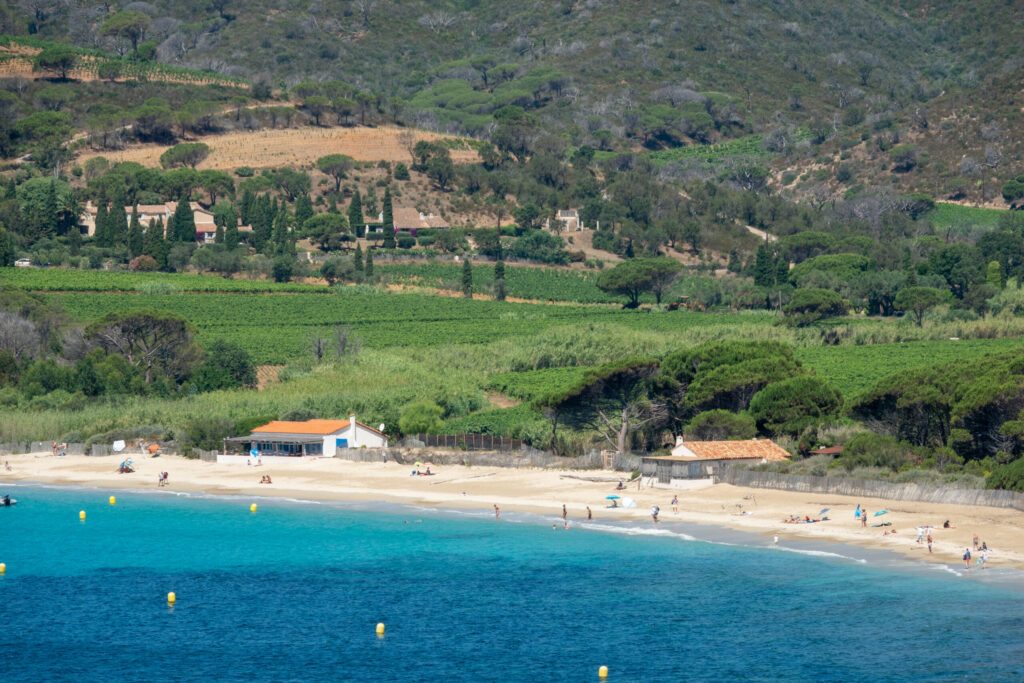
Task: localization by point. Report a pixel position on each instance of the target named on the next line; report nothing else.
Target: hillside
(831, 88)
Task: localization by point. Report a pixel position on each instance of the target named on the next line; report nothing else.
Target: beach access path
(544, 491)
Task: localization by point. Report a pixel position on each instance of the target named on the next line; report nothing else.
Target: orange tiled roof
(319, 427)
(761, 449)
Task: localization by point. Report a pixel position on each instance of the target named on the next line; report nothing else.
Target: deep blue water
(293, 592)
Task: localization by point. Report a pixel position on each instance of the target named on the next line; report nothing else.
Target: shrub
(1009, 476)
(143, 264)
(420, 417)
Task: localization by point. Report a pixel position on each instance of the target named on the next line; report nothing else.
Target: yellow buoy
(81, 515)
(113, 500)
(380, 629)
(602, 672)
(3, 568)
(252, 508)
(171, 598)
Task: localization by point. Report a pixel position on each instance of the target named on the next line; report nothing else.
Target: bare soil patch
(295, 147)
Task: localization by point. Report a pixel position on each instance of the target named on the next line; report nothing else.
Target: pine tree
(499, 280)
(135, 237)
(467, 279)
(355, 215)
(368, 268)
(184, 222)
(303, 210)
(357, 259)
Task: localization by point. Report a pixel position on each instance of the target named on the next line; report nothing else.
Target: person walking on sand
(675, 504)
(654, 513)
(967, 558)
(929, 544)
(590, 515)
(864, 519)
(497, 512)
(565, 512)
(975, 541)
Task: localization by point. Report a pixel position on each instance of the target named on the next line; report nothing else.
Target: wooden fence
(469, 442)
(866, 488)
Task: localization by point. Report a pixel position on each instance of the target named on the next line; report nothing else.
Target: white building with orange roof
(283, 438)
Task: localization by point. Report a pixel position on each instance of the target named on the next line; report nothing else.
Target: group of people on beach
(265, 479)
(59, 449)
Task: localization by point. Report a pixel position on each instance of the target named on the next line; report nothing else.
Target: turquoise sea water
(293, 592)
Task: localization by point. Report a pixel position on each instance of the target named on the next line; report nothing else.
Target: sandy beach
(759, 511)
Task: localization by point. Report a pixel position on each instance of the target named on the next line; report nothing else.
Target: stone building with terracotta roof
(408, 219)
(702, 459)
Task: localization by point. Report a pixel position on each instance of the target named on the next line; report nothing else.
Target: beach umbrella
(611, 497)
(823, 511)
(419, 464)
(880, 513)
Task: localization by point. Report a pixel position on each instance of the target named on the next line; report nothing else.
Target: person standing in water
(497, 512)
(654, 513)
(565, 512)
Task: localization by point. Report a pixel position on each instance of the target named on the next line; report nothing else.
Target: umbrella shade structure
(823, 511)
(611, 497)
(880, 513)
(419, 464)
(628, 503)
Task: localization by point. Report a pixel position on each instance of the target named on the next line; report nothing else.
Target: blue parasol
(880, 513)
(611, 497)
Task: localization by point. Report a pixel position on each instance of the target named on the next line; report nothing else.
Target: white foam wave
(636, 531)
(820, 553)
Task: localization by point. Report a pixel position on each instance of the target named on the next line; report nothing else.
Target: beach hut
(282, 438)
(692, 460)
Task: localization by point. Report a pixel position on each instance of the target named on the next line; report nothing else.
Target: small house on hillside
(409, 219)
(568, 220)
(702, 459)
(310, 437)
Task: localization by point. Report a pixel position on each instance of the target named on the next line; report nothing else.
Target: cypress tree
(499, 280)
(369, 264)
(357, 259)
(51, 208)
(184, 222)
(389, 217)
(467, 279)
(100, 233)
(218, 236)
(231, 238)
(117, 227)
(355, 215)
(303, 210)
(135, 237)
(150, 238)
(281, 241)
(333, 206)
(247, 206)
(263, 222)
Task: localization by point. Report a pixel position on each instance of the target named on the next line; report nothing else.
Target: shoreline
(542, 492)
